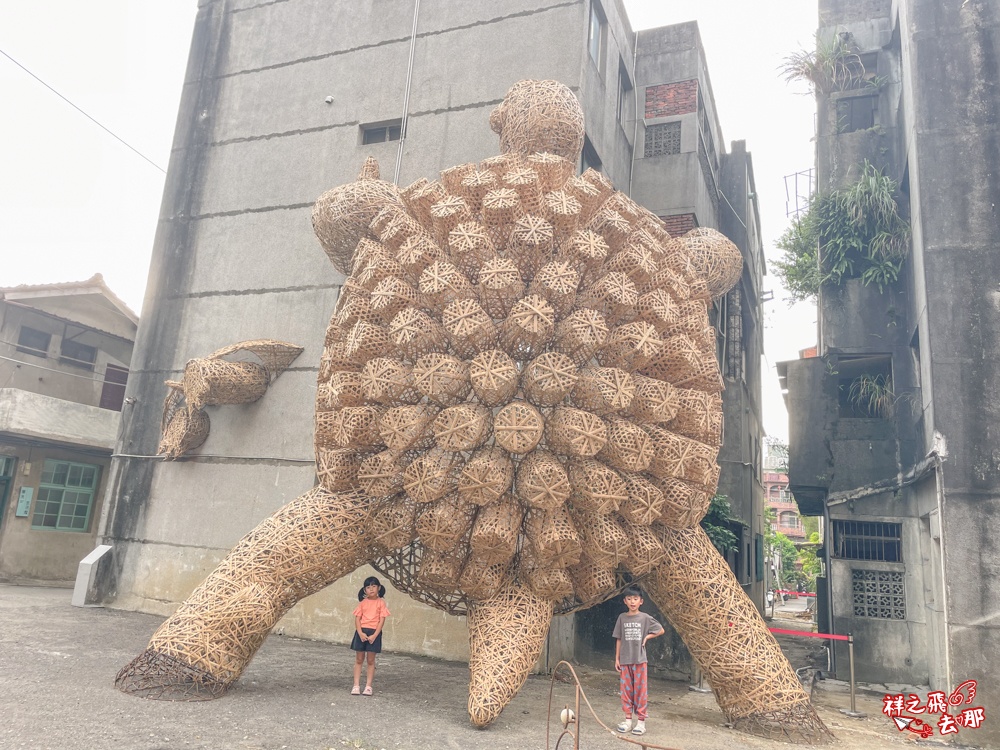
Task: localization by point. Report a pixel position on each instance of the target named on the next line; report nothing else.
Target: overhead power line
(105, 129)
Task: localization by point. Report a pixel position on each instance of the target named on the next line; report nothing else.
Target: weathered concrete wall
(235, 257)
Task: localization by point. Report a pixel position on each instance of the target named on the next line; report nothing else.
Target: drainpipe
(406, 94)
(635, 119)
(940, 453)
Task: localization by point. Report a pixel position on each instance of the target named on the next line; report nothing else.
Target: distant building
(64, 359)
(906, 472)
(282, 103)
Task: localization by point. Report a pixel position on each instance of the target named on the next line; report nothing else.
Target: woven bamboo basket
(416, 334)
(501, 208)
(393, 523)
(525, 183)
(654, 402)
(211, 382)
(417, 253)
(581, 335)
(628, 447)
(442, 378)
(684, 504)
(556, 283)
(548, 379)
(575, 433)
(699, 416)
(351, 427)
(563, 213)
(481, 581)
(614, 295)
(494, 536)
(432, 475)
(645, 500)
(604, 541)
(631, 346)
(518, 427)
(443, 523)
(500, 286)
(544, 580)
(337, 468)
(342, 388)
(388, 381)
(528, 328)
(470, 247)
(381, 474)
(441, 283)
(494, 377)
(487, 476)
(408, 428)
(464, 427)
(183, 431)
(596, 486)
(592, 583)
(585, 251)
(552, 537)
(470, 329)
(541, 481)
(604, 391)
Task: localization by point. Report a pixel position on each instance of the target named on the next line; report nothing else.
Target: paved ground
(58, 662)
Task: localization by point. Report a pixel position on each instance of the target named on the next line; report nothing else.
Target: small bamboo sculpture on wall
(518, 403)
(214, 380)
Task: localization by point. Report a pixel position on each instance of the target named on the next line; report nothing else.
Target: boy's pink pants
(634, 690)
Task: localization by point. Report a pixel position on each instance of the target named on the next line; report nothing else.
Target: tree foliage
(716, 524)
(854, 232)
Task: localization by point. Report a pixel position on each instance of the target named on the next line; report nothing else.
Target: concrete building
(283, 101)
(64, 358)
(911, 488)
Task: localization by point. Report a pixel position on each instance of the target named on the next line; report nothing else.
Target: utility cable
(105, 129)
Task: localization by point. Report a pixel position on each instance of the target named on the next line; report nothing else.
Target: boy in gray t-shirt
(632, 631)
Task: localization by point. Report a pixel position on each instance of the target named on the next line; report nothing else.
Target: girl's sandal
(368, 690)
(356, 690)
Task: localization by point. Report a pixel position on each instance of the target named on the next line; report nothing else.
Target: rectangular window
(857, 113)
(65, 496)
(663, 139)
(31, 341)
(76, 354)
(868, 540)
(878, 594)
(624, 110)
(596, 35)
(382, 133)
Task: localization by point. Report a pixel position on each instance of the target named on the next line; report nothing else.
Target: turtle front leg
(506, 635)
(201, 649)
(753, 682)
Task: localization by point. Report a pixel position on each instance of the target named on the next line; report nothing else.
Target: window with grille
(65, 496)
(878, 594)
(857, 113)
(867, 540)
(663, 139)
(31, 341)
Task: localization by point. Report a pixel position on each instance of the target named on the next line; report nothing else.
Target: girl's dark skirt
(371, 647)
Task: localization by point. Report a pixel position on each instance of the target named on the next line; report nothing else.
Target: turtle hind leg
(752, 680)
(506, 635)
(206, 644)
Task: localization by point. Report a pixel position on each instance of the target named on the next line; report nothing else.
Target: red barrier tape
(797, 593)
(829, 636)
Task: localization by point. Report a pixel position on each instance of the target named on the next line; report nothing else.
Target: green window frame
(65, 496)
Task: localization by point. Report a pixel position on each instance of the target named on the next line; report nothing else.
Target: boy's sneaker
(640, 727)
(625, 726)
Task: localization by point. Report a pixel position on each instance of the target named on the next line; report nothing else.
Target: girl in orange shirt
(369, 617)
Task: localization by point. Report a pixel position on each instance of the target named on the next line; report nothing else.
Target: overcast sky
(74, 201)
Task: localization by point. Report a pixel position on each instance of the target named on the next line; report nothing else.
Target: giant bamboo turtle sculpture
(518, 410)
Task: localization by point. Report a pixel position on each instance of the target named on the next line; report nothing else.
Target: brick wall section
(679, 224)
(670, 99)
